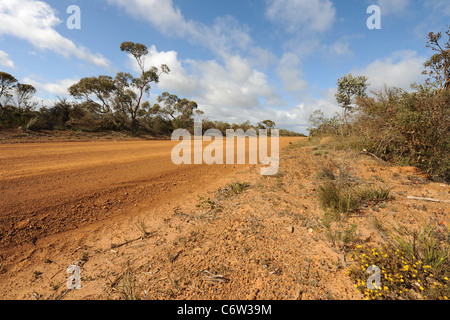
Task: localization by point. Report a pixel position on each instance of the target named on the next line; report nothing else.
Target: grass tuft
(337, 198)
(370, 193)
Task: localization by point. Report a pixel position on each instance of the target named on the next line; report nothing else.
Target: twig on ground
(114, 246)
(175, 256)
(214, 277)
(427, 199)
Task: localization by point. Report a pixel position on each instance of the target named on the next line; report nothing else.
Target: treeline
(106, 103)
(406, 128)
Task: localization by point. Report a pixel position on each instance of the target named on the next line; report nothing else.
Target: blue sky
(239, 59)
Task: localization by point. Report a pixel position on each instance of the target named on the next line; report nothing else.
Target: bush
(408, 128)
(320, 125)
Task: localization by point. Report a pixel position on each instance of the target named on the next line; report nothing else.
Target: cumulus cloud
(178, 80)
(302, 15)
(58, 88)
(292, 118)
(231, 90)
(5, 61)
(401, 69)
(290, 73)
(296, 117)
(35, 22)
(232, 84)
(229, 87)
(235, 84)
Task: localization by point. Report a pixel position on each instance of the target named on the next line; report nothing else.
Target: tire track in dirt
(50, 188)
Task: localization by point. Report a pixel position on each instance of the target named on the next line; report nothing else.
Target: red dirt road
(49, 188)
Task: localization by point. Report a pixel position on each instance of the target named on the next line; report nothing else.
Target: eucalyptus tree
(7, 84)
(438, 66)
(349, 88)
(133, 89)
(124, 94)
(181, 111)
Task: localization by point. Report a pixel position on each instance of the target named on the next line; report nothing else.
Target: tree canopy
(7, 84)
(438, 66)
(123, 94)
(350, 87)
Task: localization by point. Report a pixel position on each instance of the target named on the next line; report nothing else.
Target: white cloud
(327, 103)
(296, 117)
(389, 7)
(290, 73)
(178, 80)
(162, 14)
(234, 84)
(400, 70)
(341, 48)
(291, 118)
(34, 21)
(230, 91)
(261, 57)
(5, 61)
(223, 35)
(58, 88)
(302, 15)
(439, 6)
